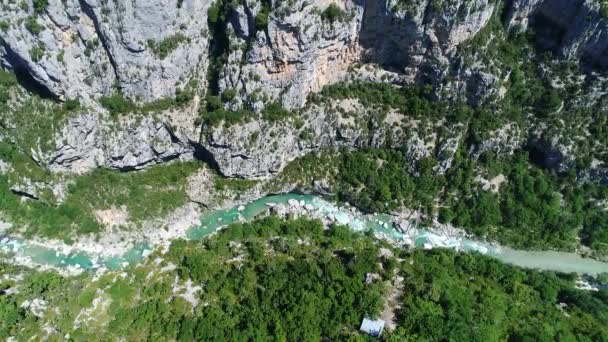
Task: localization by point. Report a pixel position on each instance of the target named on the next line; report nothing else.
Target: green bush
(228, 95)
(71, 104)
(214, 13)
(261, 19)
(117, 104)
(7, 79)
(604, 8)
(4, 25)
(37, 53)
(275, 112)
(31, 24)
(40, 6)
(333, 13)
(163, 48)
(227, 117)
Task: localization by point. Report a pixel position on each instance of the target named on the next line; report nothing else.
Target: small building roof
(372, 327)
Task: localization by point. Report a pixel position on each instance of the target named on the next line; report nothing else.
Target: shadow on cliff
(386, 37)
(24, 76)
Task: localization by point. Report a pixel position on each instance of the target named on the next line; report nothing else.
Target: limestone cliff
(275, 52)
(88, 48)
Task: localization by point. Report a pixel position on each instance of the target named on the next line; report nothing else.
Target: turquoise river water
(381, 224)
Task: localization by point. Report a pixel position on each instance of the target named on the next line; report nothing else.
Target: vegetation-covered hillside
(291, 281)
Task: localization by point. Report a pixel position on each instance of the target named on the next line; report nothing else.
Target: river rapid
(383, 225)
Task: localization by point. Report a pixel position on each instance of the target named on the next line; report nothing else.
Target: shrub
(163, 48)
(60, 56)
(32, 25)
(37, 52)
(228, 95)
(228, 117)
(40, 5)
(213, 103)
(71, 104)
(7, 79)
(548, 103)
(261, 19)
(213, 13)
(333, 13)
(4, 25)
(604, 8)
(117, 104)
(275, 112)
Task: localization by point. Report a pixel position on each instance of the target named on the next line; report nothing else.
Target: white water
(383, 225)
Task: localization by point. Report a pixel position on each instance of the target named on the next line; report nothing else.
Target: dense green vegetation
(7, 81)
(291, 281)
(40, 6)
(32, 25)
(417, 102)
(145, 194)
(163, 48)
(465, 297)
(117, 104)
(214, 113)
(604, 8)
(533, 208)
(333, 13)
(261, 19)
(255, 286)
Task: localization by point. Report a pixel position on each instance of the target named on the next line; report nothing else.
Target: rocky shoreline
(399, 229)
(160, 232)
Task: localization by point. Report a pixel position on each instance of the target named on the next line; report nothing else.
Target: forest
(293, 280)
(533, 208)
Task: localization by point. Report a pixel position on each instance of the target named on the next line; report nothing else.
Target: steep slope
(87, 48)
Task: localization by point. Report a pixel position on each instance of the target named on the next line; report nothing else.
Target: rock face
(84, 49)
(297, 53)
(300, 50)
(87, 141)
(148, 49)
(571, 28)
(406, 35)
(502, 141)
(260, 149)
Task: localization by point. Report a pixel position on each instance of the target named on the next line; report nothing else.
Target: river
(381, 224)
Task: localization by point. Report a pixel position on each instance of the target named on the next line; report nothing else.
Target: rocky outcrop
(86, 48)
(574, 29)
(502, 141)
(297, 53)
(407, 35)
(148, 49)
(260, 149)
(301, 50)
(87, 141)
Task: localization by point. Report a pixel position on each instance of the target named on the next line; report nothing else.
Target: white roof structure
(372, 327)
